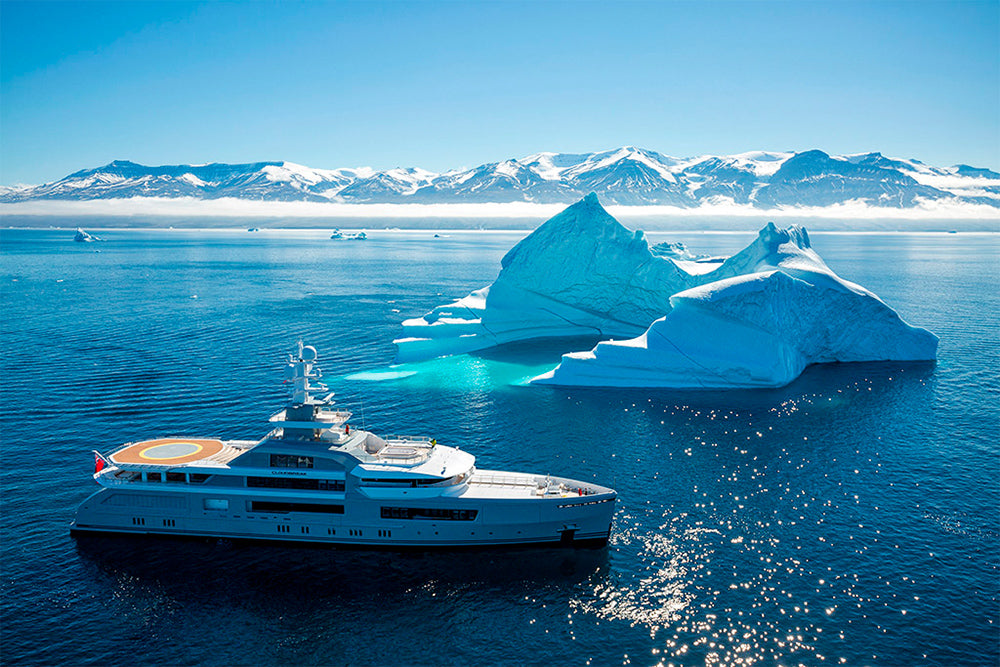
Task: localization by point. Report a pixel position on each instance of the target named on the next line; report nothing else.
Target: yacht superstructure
(314, 478)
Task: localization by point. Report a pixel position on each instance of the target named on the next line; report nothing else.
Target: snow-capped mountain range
(624, 176)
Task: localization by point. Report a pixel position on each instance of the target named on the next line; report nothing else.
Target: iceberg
(755, 319)
(757, 330)
(580, 273)
(83, 237)
(677, 250)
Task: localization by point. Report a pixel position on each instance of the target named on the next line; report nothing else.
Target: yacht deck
(497, 484)
(176, 451)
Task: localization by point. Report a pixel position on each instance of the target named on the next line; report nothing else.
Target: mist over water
(850, 517)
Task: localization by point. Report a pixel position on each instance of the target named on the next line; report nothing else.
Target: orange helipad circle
(171, 451)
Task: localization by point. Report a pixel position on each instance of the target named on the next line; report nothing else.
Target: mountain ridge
(628, 176)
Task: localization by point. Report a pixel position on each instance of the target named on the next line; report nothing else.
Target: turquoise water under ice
(851, 517)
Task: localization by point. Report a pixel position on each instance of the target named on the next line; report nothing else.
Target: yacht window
(375, 481)
(269, 506)
(176, 477)
(425, 513)
(153, 477)
(282, 483)
(219, 504)
(198, 478)
(291, 461)
(296, 483)
(398, 482)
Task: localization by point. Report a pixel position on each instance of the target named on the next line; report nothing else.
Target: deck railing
(542, 485)
(408, 439)
(508, 480)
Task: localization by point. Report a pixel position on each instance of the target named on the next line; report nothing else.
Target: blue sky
(449, 84)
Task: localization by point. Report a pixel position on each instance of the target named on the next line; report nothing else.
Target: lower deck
(368, 523)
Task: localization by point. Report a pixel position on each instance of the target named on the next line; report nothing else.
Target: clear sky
(443, 85)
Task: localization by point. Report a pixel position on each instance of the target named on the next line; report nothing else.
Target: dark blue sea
(852, 517)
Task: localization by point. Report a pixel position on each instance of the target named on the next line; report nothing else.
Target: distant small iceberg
(676, 250)
(340, 236)
(84, 237)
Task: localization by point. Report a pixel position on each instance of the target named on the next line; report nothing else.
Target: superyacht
(314, 478)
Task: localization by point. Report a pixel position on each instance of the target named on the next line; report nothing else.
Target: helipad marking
(173, 450)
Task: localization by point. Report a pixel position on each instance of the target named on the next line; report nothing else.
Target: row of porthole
(283, 528)
(141, 521)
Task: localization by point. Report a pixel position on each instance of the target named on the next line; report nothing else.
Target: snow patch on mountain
(627, 176)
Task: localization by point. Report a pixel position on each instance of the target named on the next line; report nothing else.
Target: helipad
(168, 450)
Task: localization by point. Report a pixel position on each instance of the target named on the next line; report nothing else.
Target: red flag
(98, 463)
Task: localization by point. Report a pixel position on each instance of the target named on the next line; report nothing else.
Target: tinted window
(434, 513)
(291, 461)
(268, 506)
(296, 483)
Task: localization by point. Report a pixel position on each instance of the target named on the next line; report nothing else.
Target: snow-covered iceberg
(757, 330)
(83, 237)
(579, 273)
(755, 319)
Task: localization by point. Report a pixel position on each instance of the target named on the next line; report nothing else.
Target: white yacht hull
(570, 520)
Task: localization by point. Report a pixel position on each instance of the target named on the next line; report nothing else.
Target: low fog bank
(646, 222)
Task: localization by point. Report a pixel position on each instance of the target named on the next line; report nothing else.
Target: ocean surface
(852, 517)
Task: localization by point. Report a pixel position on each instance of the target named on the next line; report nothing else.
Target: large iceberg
(756, 319)
(579, 273)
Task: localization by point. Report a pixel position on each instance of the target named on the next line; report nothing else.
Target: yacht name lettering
(287, 472)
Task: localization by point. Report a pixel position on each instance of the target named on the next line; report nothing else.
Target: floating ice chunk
(675, 250)
(755, 330)
(83, 237)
